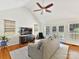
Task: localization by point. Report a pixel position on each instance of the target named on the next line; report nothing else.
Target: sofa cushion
(50, 47)
(39, 45)
(50, 38)
(61, 53)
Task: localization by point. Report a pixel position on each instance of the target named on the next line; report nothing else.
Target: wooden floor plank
(4, 53)
(17, 46)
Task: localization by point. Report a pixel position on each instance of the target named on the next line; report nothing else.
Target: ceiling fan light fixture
(43, 8)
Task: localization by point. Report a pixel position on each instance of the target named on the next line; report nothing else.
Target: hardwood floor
(73, 52)
(4, 52)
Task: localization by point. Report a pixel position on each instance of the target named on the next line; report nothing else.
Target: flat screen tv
(25, 30)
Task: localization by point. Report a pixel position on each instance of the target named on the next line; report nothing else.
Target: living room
(63, 21)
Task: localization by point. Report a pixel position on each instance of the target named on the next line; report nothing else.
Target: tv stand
(26, 38)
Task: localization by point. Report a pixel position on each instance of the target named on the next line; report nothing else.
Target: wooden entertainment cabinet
(23, 39)
(26, 35)
(26, 38)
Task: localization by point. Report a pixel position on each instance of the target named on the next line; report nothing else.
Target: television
(25, 31)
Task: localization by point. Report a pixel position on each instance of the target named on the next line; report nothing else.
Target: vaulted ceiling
(8, 4)
(61, 9)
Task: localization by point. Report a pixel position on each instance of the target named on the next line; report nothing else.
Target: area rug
(21, 53)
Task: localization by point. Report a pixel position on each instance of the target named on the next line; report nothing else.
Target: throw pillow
(50, 38)
(39, 45)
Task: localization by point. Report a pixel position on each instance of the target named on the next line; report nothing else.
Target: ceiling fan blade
(48, 11)
(37, 10)
(48, 6)
(39, 5)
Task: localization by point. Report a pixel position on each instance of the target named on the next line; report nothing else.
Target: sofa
(47, 49)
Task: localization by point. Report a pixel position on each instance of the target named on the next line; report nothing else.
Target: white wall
(21, 15)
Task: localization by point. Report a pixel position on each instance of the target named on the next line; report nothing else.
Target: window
(61, 28)
(54, 29)
(47, 30)
(73, 26)
(35, 27)
(9, 26)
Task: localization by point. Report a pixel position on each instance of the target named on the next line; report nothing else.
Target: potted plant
(3, 41)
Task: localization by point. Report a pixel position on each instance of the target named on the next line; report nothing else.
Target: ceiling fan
(44, 8)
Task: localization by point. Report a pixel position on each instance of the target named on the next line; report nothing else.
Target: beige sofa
(47, 49)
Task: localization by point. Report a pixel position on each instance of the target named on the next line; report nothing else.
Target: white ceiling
(8, 4)
(61, 9)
